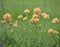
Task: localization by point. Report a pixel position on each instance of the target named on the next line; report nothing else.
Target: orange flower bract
(34, 20)
(52, 31)
(37, 10)
(46, 16)
(26, 11)
(20, 16)
(25, 18)
(14, 24)
(35, 16)
(7, 17)
(55, 20)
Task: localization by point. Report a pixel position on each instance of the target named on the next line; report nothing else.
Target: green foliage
(33, 35)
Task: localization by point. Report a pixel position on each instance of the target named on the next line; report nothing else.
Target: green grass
(32, 36)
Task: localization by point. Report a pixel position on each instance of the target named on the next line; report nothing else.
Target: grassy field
(27, 34)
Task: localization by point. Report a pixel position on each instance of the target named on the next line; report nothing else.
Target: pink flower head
(46, 16)
(7, 17)
(37, 10)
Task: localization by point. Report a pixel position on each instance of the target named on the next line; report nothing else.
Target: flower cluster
(52, 31)
(35, 18)
(7, 17)
(55, 20)
(46, 16)
(37, 11)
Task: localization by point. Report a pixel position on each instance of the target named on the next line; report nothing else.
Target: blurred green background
(15, 7)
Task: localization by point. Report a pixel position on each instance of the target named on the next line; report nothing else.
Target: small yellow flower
(25, 18)
(14, 24)
(46, 16)
(3, 21)
(20, 16)
(26, 11)
(55, 20)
